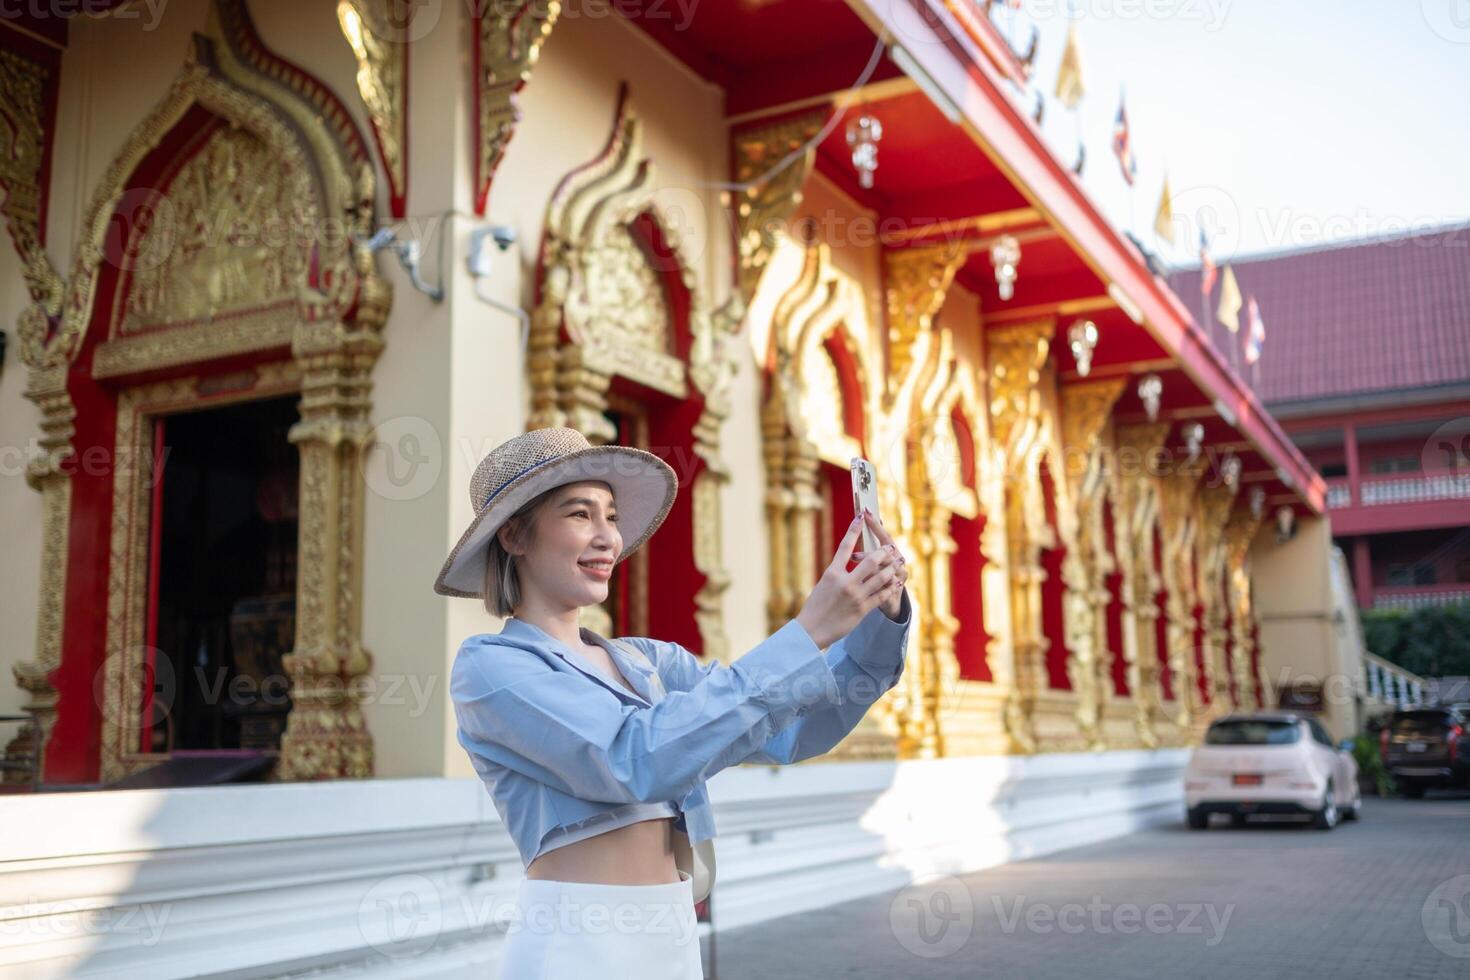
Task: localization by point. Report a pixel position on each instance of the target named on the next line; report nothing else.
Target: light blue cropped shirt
(567, 752)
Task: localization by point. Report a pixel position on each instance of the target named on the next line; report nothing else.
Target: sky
(1280, 123)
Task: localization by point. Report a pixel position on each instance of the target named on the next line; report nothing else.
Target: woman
(596, 752)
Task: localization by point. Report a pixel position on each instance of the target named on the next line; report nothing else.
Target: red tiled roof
(1352, 318)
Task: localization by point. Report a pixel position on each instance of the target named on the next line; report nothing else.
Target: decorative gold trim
(1177, 488)
(983, 224)
(915, 285)
(802, 425)
(1021, 433)
(170, 347)
(508, 42)
(762, 210)
(1088, 563)
(23, 87)
(1240, 534)
(381, 50)
(1213, 505)
(1136, 521)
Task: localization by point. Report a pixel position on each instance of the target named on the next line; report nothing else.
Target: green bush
(1370, 764)
(1430, 642)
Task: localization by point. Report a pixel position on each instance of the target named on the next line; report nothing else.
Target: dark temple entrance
(222, 569)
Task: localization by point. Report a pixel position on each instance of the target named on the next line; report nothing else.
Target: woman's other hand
(892, 603)
(841, 598)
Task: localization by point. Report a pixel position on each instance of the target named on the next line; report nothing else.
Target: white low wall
(416, 877)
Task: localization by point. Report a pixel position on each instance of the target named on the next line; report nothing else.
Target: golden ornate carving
(1177, 483)
(340, 308)
(600, 286)
(1021, 432)
(604, 288)
(1214, 504)
(822, 301)
(205, 254)
(507, 43)
(915, 284)
(252, 331)
(23, 84)
(1140, 448)
(939, 386)
(762, 209)
(802, 425)
(1240, 533)
(922, 388)
(381, 48)
(1088, 562)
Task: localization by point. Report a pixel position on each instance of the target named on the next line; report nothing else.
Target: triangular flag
(1069, 76)
(1208, 271)
(1255, 335)
(1229, 310)
(1123, 145)
(1164, 219)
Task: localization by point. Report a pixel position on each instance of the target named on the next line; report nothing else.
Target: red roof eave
(965, 74)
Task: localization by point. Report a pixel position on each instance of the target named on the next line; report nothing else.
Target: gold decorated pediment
(602, 281)
(219, 243)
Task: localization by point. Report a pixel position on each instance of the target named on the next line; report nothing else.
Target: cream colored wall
(1304, 636)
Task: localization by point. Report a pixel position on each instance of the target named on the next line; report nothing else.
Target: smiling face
(568, 563)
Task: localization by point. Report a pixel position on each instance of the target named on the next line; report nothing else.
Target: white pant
(572, 929)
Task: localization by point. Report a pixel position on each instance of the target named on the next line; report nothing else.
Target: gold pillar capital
(916, 281)
(764, 203)
(508, 43)
(1016, 355)
(382, 82)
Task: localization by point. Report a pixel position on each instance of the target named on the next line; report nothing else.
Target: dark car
(1422, 747)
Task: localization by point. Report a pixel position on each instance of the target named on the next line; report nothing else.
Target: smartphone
(865, 494)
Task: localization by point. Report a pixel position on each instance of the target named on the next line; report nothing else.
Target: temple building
(280, 274)
(1369, 374)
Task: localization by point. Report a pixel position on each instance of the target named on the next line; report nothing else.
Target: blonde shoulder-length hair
(502, 589)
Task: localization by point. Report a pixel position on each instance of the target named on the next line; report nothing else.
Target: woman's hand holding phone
(841, 598)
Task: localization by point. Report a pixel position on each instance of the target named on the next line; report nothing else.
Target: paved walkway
(1387, 897)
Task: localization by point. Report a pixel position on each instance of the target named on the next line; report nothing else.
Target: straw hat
(516, 471)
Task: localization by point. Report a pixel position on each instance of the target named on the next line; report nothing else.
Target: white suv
(1271, 762)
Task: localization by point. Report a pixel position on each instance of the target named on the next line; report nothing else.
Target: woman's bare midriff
(641, 853)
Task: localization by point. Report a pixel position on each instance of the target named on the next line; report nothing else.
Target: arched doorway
(179, 301)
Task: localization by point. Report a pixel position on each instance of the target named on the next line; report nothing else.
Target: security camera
(504, 236)
(479, 257)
